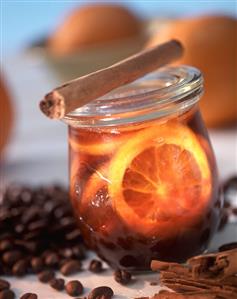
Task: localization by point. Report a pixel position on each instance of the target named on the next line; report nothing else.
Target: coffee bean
(29, 296)
(37, 264)
(4, 284)
(31, 235)
(95, 266)
(154, 283)
(7, 294)
(46, 275)
(78, 252)
(66, 253)
(30, 246)
(51, 259)
(7, 270)
(74, 234)
(26, 196)
(37, 225)
(19, 228)
(12, 195)
(70, 267)
(102, 292)
(226, 204)
(20, 268)
(5, 245)
(59, 212)
(11, 256)
(67, 222)
(122, 276)
(74, 288)
(234, 211)
(31, 214)
(228, 246)
(57, 284)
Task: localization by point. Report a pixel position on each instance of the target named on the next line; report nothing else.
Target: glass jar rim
(166, 91)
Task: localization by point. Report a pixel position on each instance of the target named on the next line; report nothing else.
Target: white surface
(38, 154)
(139, 287)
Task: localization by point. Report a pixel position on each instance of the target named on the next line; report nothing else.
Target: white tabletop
(38, 154)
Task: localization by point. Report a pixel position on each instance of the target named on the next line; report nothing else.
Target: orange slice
(95, 143)
(94, 205)
(160, 181)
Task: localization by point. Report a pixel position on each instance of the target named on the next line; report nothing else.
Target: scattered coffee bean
(122, 276)
(74, 288)
(57, 284)
(7, 294)
(228, 246)
(234, 211)
(5, 245)
(78, 252)
(20, 268)
(153, 283)
(30, 246)
(46, 275)
(37, 264)
(75, 234)
(51, 259)
(4, 285)
(19, 228)
(67, 222)
(37, 225)
(95, 266)
(226, 204)
(33, 213)
(66, 253)
(12, 256)
(102, 292)
(70, 267)
(7, 270)
(29, 296)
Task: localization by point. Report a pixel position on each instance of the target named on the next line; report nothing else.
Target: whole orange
(210, 44)
(6, 116)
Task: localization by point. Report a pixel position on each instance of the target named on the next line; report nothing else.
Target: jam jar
(143, 176)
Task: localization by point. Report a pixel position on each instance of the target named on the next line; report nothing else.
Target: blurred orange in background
(94, 24)
(211, 45)
(6, 116)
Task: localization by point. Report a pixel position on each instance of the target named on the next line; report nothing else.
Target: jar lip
(160, 93)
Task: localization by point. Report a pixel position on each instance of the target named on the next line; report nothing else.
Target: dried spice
(213, 273)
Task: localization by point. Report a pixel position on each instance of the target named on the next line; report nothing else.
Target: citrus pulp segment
(160, 180)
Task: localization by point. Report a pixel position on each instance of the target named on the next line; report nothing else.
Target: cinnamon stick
(81, 91)
(219, 265)
(189, 295)
(214, 273)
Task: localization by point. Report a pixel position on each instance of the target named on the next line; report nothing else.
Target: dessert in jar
(143, 176)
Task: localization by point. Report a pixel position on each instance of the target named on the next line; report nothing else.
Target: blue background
(25, 21)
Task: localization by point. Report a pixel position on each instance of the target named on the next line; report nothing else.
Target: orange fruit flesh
(160, 180)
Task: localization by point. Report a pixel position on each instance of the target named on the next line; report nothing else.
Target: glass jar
(143, 177)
